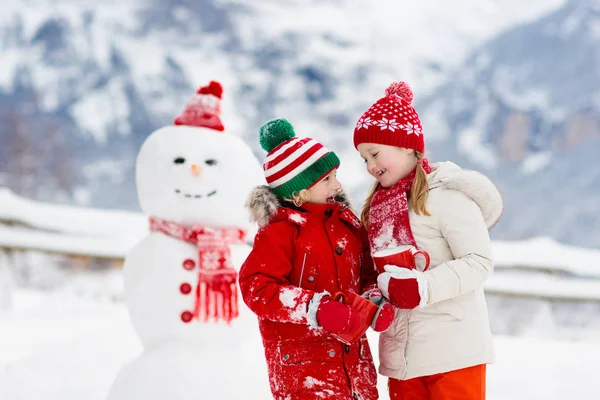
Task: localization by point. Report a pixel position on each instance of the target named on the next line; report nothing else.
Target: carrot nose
(195, 170)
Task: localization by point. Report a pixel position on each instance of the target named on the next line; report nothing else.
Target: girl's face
(388, 164)
(325, 189)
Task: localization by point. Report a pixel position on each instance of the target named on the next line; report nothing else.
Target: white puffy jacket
(452, 331)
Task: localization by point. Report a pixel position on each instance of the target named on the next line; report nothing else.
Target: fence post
(6, 283)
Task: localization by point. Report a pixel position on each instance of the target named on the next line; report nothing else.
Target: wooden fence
(89, 238)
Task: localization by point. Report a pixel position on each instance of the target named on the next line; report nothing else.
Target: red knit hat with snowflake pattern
(392, 120)
(204, 108)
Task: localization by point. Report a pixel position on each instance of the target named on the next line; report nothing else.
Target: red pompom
(400, 89)
(213, 88)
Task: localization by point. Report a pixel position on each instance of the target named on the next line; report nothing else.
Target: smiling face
(193, 175)
(322, 191)
(387, 164)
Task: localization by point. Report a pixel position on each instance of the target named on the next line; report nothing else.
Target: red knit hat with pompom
(204, 108)
(392, 120)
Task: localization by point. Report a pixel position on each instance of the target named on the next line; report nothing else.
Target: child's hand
(373, 295)
(337, 317)
(384, 317)
(385, 312)
(402, 288)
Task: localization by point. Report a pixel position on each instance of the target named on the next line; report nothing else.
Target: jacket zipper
(302, 271)
(407, 316)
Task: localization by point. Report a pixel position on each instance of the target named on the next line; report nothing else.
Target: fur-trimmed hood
(263, 204)
(473, 184)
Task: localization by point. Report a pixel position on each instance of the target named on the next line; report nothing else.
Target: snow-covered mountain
(82, 83)
(525, 106)
(531, 91)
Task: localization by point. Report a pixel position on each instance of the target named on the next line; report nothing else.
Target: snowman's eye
(211, 161)
(179, 160)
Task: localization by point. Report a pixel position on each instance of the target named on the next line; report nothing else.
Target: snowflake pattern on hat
(364, 122)
(412, 129)
(378, 116)
(392, 120)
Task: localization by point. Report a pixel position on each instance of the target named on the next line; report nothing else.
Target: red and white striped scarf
(216, 291)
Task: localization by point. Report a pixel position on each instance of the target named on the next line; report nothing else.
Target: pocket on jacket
(299, 368)
(308, 272)
(447, 307)
(364, 351)
(296, 352)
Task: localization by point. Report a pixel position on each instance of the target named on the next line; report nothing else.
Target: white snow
(299, 219)
(417, 42)
(105, 247)
(71, 219)
(544, 286)
(385, 237)
(393, 250)
(78, 230)
(289, 299)
(342, 242)
(103, 233)
(10, 60)
(536, 162)
(310, 382)
(470, 140)
(70, 343)
(56, 346)
(546, 254)
(100, 111)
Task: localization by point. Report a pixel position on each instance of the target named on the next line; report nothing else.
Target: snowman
(181, 280)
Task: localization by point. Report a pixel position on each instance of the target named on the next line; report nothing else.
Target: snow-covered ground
(69, 344)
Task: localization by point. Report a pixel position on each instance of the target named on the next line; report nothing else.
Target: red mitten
(385, 312)
(401, 287)
(337, 317)
(384, 317)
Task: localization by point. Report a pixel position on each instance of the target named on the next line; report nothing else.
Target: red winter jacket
(298, 254)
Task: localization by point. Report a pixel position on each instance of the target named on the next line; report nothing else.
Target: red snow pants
(461, 384)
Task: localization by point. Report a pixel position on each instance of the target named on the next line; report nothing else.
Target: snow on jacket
(452, 331)
(300, 254)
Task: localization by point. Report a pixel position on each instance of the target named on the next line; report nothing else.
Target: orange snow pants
(461, 384)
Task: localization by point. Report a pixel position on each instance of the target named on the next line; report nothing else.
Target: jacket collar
(473, 184)
(265, 208)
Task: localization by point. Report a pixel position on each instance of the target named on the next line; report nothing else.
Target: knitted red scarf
(389, 225)
(216, 291)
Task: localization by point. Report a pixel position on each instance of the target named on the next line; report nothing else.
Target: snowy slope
(530, 91)
(61, 347)
(525, 108)
(69, 343)
(107, 74)
(89, 81)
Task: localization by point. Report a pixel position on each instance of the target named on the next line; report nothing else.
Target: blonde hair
(417, 196)
(299, 198)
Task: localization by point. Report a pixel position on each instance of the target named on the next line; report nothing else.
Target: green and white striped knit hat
(293, 163)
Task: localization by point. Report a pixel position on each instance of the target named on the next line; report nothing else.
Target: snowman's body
(193, 177)
(155, 271)
(183, 370)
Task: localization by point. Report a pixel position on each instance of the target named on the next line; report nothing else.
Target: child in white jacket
(440, 342)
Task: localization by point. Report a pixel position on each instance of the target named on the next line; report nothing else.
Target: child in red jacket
(310, 245)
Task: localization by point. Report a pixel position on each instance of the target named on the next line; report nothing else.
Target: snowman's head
(194, 175)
